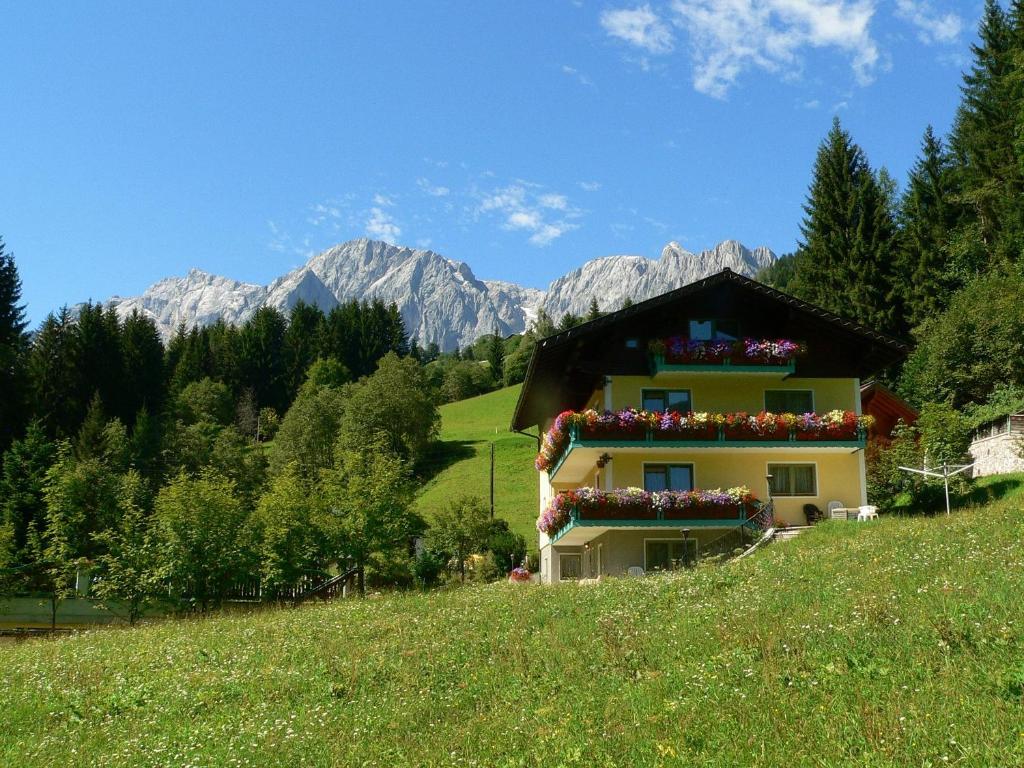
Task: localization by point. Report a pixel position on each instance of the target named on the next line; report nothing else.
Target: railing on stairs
(333, 587)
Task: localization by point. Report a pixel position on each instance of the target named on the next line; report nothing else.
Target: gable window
(668, 477)
(789, 400)
(669, 554)
(570, 567)
(666, 400)
(793, 479)
(714, 330)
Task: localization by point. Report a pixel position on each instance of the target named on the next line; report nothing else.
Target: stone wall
(997, 455)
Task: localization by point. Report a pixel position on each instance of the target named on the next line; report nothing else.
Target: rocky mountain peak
(441, 299)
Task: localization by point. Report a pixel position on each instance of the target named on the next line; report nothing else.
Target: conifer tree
(984, 143)
(928, 215)
(594, 311)
(301, 343)
(845, 260)
(13, 350)
(142, 354)
(496, 356)
(22, 506)
(52, 373)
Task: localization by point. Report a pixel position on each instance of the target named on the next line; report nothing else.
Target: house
(682, 425)
(996, 446)
(886, 408)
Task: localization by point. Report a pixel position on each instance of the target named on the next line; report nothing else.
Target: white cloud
(728, 37)
(525, 210)
(932, 26)
(577, 75)
(639, 26)
(553, 201)
(381, 226)
(590, 186)
(384, 200)
(430, 189)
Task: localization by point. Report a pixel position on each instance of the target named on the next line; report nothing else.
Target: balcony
(586, 434)
(576, 514)
(772, 357)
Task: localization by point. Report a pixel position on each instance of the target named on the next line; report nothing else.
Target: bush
(427, 569)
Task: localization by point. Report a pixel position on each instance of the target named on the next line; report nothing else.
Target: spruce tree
(22, 506)
(13, 351)
(52, 372)
(301, 343)
(845, 261)
(496, 356)
(263, 358)
(928, 215)
(594, 311)
(142, 354)
(984, 143)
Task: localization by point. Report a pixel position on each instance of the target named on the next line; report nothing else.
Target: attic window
(714, 330)
(632, 343)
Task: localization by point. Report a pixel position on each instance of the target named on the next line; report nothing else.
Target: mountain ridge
(441, 300)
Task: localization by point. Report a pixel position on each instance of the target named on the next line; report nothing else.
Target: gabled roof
(566, 367)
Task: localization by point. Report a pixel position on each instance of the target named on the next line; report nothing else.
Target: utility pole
(492, 479)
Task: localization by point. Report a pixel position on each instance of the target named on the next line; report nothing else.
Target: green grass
(891, 644)
(461, 464)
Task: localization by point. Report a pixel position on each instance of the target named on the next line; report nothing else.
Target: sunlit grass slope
(462, 464)
(892, 644)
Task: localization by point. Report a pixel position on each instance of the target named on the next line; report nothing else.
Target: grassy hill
(891, 644)
(462, 462)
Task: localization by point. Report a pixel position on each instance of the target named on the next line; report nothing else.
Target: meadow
(460, 464)
(890, 644)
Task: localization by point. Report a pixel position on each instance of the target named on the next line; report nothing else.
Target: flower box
(618, 512)
(703, 513)
(609, 432)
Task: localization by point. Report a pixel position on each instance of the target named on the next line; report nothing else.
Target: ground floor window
(570, 567)
(669, 554)
(668, 477)
(793, 479)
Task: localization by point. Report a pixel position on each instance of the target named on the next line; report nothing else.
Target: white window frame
(679, 540)
(814, 404)
(817, 484)
(561, 573)
(668, 462)
(666, 390)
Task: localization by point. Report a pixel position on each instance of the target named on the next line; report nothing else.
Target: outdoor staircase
(785, 534)
(773, 534)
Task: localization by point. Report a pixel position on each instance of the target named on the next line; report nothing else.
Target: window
(570, 567)
(793, 479)
(669, 554)
(667, 400)
(668, 477)
(632, 343)
(789, 400)
(714, 330)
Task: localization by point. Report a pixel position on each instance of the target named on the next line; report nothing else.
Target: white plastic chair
(833, 506)
(635, 570)
(867, 512)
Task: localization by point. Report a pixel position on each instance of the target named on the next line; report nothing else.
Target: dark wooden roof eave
(885, 350)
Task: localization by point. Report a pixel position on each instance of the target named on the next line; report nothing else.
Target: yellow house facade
(685, 425)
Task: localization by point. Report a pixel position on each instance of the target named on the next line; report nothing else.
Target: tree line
(278, 451)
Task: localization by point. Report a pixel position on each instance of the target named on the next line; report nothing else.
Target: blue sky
(140, 139)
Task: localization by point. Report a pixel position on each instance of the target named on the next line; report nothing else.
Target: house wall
(997, 455)
(620, 550)
(732, 392)
(839, 475)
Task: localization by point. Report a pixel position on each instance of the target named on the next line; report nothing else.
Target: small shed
(996, 446)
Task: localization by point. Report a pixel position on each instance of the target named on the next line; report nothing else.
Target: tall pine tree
(13, 351)
(845, 261)
(54, 380)
(928, 215)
